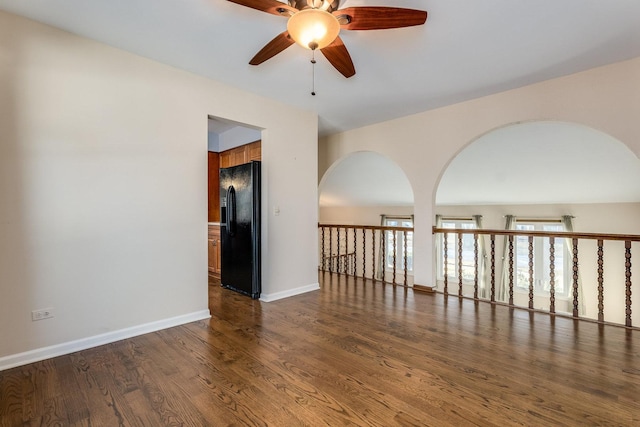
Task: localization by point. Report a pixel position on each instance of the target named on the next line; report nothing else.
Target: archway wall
(360, 187)
(605, 98)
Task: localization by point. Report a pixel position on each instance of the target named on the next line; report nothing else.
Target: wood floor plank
(353, 353)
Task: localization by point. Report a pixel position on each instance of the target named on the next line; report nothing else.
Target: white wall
(605, 98)
(103, 189)
(619, 218)
(360, 215)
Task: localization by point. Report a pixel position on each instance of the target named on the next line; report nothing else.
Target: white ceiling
(467, 49)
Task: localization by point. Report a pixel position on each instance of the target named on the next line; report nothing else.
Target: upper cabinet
(254, 151)
(241, 155)
(226, 159)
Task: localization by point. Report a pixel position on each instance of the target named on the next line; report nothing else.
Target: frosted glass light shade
(311, 26)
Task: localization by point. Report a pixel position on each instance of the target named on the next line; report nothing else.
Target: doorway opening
(229, 144)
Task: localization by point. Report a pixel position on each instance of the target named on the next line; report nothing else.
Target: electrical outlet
(44, 313)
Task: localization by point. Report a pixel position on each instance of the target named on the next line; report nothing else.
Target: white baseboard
(289, 293)
(11, 361)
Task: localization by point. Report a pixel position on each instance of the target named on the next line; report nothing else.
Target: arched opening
(231, 148)
(541, 176)
(362, 186)
(366, 216)
(541, 162)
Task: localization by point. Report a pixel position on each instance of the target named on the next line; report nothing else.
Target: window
(468, 251)
(541, 260)
(395, 221)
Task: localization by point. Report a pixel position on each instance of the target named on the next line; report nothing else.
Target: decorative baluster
(600, 281)
(627, 264)
(475, 268)
(574, 241)
(510, 269)
(336, 260)
(323, 252)
(446, 264)
(355, 252)
(331, 250)
(460, 264)
(349, 255)
(394, 255)
(493, 268)
(346, 251)
(373, 255)
(345, 257)
(383, 255)
(531, 272)
(404, 252)
(552, 276)
(364, 253)
(338, 254)
(347, 260)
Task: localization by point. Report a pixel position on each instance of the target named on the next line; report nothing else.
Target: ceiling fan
(315, 24)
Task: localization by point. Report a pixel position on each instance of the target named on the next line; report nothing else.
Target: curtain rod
(536, 220)
(456, 218)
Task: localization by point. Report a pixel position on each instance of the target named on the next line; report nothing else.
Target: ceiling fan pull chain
(313, 72)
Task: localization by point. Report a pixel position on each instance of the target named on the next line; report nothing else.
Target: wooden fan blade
(380, 18)
(271, 49)
(270, 6)
(338, 55)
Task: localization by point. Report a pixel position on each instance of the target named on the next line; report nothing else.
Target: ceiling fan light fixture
(313, 28)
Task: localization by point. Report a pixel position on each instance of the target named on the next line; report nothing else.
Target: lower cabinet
(214, 250)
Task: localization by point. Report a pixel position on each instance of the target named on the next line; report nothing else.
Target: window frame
(458, 225)
(541, 261)
(399, 243)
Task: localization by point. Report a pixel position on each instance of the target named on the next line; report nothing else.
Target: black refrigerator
(240, 228)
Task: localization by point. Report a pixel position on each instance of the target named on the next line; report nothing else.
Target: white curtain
(502, 293)
(482, 259)
(567, 222)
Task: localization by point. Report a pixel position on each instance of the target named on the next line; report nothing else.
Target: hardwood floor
(353, 353)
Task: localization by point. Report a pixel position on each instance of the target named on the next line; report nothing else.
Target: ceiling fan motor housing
(328, 5)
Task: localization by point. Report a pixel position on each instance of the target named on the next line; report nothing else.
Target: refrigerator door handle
(231, 210)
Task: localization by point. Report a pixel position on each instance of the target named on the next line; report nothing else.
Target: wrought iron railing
(500, 266)
(588, 264)
(372, 252)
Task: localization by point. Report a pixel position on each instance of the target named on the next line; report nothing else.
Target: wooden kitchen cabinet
(214, 250)
(214, 187)
(233, 157)
(254, 151)
(241, 155)
(225, 159)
